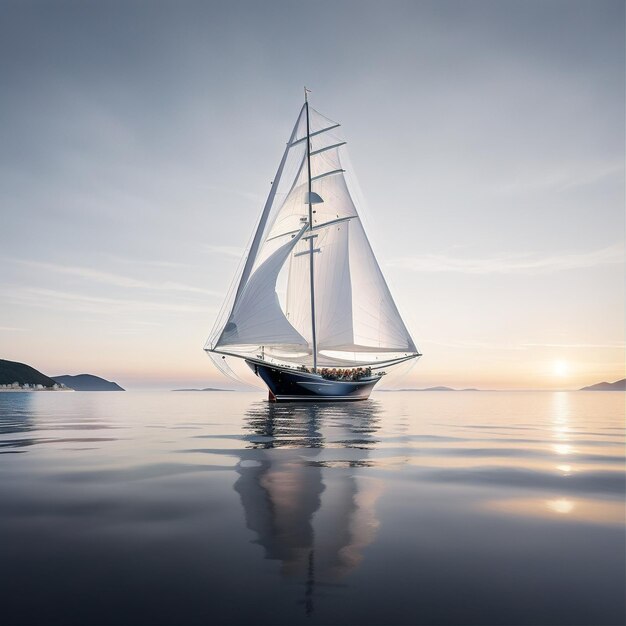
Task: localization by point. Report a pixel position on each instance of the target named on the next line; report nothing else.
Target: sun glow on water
(562, 448)
(561, 505)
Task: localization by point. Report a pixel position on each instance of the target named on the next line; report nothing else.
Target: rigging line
(316, 227)
(373, 364)
(228, 303)
(264, 215)
(309, 135)
(339, 171)
(376, 366)
(335, 145)
(295, 180)
(225, 368)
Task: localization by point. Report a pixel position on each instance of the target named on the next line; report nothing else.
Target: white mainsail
(310, 234)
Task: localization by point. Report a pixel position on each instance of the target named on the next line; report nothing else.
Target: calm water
(411, 508)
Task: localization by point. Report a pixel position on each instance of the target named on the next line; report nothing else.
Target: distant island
(87, 382)
(618, 385)
(16, 376)
(205, 389)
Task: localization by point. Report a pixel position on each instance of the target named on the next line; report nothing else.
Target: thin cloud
(560, 178)
(612, 346)
(118, 280)
(72, 301)
(474, 345)
(521, 264)
(481, 345)
(150, 262)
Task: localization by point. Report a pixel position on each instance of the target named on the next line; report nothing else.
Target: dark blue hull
(291, 385)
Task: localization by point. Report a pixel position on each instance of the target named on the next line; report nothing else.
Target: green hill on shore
(14, 372)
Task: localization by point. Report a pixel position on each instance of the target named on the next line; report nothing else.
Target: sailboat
(310, 311)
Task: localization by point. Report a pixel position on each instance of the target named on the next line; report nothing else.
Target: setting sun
(560, 368)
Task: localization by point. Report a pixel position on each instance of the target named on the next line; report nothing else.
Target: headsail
(356, 319)
(256, 318)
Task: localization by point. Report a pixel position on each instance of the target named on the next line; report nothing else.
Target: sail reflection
(301, 491)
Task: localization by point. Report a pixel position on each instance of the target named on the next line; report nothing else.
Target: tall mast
(311, 266)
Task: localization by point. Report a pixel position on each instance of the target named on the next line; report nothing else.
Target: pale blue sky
(138, 140)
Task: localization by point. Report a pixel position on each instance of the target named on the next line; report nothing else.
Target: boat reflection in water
(301, 489)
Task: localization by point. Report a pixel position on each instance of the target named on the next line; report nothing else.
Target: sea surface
(220, 508)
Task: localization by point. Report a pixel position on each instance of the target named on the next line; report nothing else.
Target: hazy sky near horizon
(138, 141)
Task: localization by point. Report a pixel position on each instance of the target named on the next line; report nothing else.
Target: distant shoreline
(33, 390)
(260, 392)
(500, 390)
(206, 389)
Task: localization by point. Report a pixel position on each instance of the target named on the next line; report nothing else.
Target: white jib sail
(356, 318)
(257, 318)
